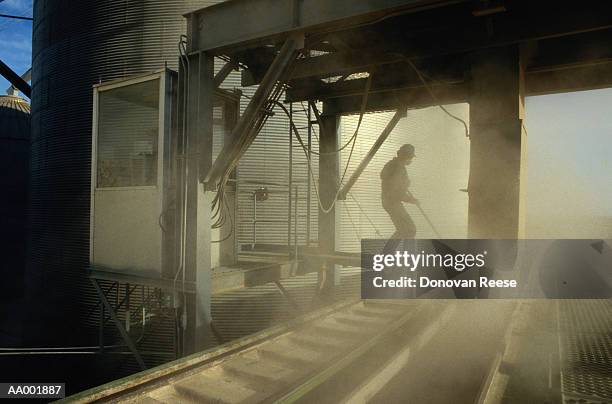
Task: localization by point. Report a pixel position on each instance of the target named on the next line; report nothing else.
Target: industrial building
(202, 174)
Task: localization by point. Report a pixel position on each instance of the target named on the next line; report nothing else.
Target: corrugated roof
(14, 118)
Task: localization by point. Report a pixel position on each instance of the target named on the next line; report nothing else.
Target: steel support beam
(391, 99)
(453, 34)
(346, 99)
(401, 113)
(224, 72)
(256, 21)
(571, 78)
(339, 63)
(243, 134)
(198, 153)
(329, 173)
(118, 324)
(496, 144)
(13, 78)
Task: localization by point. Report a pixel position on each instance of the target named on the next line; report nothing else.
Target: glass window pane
(128, 129)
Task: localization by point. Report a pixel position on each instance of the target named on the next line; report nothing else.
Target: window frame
(163, 127)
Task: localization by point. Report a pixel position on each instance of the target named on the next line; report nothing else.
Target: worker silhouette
(394, 187)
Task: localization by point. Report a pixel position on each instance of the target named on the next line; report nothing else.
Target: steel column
(329, 173)
(198, 151)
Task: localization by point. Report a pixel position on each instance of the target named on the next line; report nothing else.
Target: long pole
(429, 221)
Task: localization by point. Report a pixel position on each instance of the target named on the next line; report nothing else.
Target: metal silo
(77, 44)
(14, 155)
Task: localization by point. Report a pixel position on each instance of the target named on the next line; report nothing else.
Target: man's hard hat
(406, 150)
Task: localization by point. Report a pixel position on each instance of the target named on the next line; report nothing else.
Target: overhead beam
(575, 78)
(551, 54)
(339, 63)
(563, 30)
(412, 98)
(578, 78)
(442, 71)
(345, 97)
(255, 21)
(401, 113)
(452, 34)
(560, 53)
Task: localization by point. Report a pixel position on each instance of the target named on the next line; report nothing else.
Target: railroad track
(286, 363)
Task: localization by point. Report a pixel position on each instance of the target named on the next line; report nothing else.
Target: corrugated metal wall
(77, 44)
(14, 158)
(267, 160)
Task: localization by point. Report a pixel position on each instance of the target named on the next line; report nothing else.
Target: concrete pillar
(496, 139)
(199, 126)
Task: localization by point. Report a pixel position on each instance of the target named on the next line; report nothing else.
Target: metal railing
(261, 194)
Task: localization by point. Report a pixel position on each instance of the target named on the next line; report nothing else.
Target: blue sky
(569, 151)
(569, 142)
(15, 38)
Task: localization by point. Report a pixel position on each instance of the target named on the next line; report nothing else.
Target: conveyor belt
(282, 363)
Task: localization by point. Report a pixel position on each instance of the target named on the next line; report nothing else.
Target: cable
(364, 102)
(431, 93)
(350, 141)
(229, 213)
(365, 214)
(307, 151)
(348, 212)
(276, 92)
